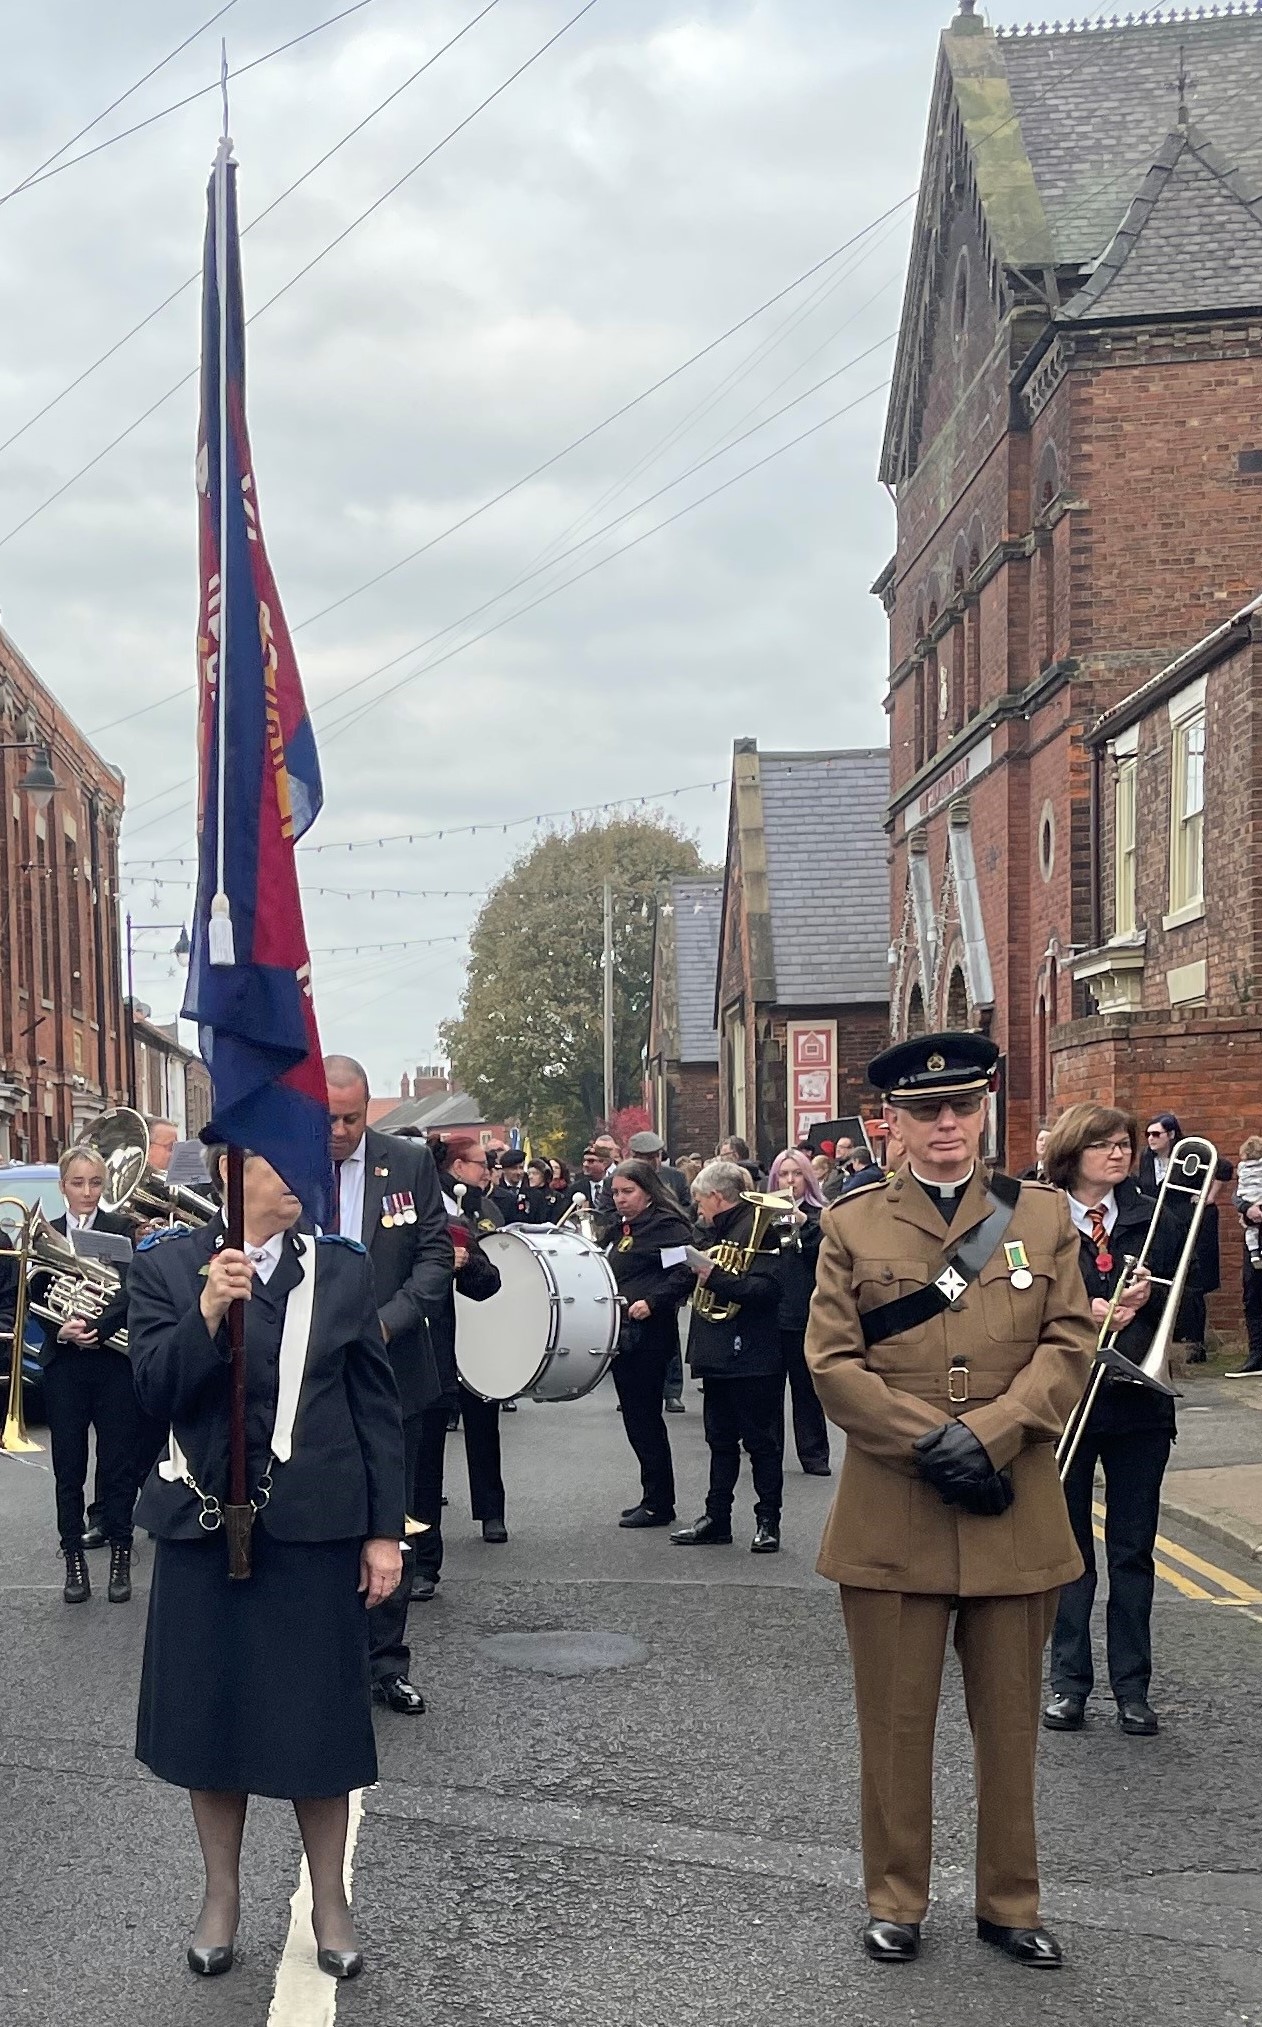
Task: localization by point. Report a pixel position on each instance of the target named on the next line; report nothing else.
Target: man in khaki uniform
(949, 1499)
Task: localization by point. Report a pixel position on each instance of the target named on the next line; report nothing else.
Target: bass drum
(552, 1329)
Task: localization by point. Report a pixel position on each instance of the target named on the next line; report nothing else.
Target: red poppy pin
(1104, 1261)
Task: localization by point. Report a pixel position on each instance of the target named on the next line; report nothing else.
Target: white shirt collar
(1082, 1216)
(266, 1258)
(360, 1155)
(945, 1188)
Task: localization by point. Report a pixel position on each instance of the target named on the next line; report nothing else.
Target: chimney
(405, 1089)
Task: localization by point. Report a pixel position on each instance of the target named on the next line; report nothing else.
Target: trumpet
(1190, 1174)
(771, 1207)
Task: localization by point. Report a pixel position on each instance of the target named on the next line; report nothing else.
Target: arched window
(957, 1001)
(916, 1012)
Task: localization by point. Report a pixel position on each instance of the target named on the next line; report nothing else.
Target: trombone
(1191, 1173)
(14, 1438)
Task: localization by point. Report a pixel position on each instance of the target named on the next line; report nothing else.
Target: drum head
(503, 1344)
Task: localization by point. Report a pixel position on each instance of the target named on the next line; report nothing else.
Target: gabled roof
(1191, 239)
(809, 830)
(698, 906)
(441, 1108)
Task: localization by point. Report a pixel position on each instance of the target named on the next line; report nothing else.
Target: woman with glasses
(1090, 1154)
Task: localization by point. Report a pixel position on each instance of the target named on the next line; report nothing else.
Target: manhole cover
(563, 1653)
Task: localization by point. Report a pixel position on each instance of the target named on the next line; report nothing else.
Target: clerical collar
(945, 1190)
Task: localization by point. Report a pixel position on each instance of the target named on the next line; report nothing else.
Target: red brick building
(801, 1000)
(62, 1031)
(1075, 450)
(682, 1069)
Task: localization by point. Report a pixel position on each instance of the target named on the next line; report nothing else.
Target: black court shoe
(119, 1592)
(892, 1942)
(766, 1539)
(78, 1587)
(703, 1533)
(341, 1963)
(646, 1516)
(400, 1695)
(1137, 1718)
(494, 1530)
(1065, 1713)
(94, 1536)
(673, 1405)
(424, 1585)
(212, 1961)
(1035, 1947)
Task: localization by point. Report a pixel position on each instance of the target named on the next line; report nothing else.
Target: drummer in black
(649, 1221)
(262, 1686)
(462, 1176)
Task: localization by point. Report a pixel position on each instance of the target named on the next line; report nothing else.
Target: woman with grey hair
(737, 1355)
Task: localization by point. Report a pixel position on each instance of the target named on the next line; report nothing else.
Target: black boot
(78, 1583)
(119, 1592)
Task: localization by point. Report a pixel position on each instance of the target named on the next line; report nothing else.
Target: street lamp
(180, 951)
(39, 782)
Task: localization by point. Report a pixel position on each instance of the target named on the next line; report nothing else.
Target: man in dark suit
(387, 1197)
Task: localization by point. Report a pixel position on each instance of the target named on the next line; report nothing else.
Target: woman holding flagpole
(261, 1686)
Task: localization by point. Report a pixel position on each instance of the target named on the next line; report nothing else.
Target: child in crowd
(1249, 1192)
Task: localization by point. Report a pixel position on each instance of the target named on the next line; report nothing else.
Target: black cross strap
(962, 1268)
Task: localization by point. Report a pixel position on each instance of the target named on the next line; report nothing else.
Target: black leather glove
(957, 1466)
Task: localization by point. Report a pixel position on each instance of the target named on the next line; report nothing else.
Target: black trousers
(481, 1422)
(748, 1411)
(1253, 1314)
(640, 1374)
(152, 1437)
(1133, 1464)
(810, 1427)
(388, 1650)
(91, 1388)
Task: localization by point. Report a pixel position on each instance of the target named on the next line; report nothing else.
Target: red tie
(1099, 1238)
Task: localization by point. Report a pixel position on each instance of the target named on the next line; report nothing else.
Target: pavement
(633, 1800)
(1219, 1420)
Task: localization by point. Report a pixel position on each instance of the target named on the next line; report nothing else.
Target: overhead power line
(37, 174)
(190, 98)
(315, 260)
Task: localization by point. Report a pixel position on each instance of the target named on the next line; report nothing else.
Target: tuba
(771, 1208)
(121, 1140)
(1190, 1174)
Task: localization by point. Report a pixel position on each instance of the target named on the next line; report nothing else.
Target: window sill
(1192, 911)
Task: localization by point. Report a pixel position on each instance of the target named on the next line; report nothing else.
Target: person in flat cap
(949, 1337)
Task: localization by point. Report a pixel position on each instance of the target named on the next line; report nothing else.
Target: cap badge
(935, 1062)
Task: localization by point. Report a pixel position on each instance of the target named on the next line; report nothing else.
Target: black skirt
(258, 1687)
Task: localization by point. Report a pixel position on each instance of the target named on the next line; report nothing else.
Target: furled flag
(249, 985)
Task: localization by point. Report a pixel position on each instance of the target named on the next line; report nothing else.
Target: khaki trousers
(898, 1645)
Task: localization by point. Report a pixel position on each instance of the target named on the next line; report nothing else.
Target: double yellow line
(1229, 1590)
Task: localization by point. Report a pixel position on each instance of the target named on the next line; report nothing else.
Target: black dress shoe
(703, 1533)
(400, 1694)
(1065, 1713)
(1036, 1947)
(93, 1536)
(646, 1516)
(119, 1592)
(423, 1587)
(674, 1406)
(494, 1530)
(766, 1539)
(818, 1470)
(1137, 1718)
(509, 1407)
(341, 1963)
(78, 1586)
(210, 1961)
(892, 1942)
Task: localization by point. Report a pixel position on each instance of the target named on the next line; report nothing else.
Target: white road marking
(304, 1995)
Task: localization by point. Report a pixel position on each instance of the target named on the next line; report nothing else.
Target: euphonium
(771, 1207)
(77, 1286)
(121, 1140)
(1191, 1174)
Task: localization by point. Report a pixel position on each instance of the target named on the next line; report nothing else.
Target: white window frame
(1124, 847)
(1187, 806)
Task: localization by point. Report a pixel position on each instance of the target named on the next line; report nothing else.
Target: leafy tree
(528, 1043)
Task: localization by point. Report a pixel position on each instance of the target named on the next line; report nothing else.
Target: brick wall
(62, 1044)
(692, 1109)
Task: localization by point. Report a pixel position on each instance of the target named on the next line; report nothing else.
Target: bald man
(387, 1197)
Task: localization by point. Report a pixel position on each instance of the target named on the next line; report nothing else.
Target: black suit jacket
(114, 1316)
(412, 1264)
(345, 1475)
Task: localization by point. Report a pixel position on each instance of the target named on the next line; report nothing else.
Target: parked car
(31, 1183)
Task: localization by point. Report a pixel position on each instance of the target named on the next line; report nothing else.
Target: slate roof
(1094, 105)
(827, 879)
(698, 905)
(1191, 239)
(441, 1108)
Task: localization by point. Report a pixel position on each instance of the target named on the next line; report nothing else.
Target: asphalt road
(632, 1803)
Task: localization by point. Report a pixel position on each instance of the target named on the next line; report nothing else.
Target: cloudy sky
(655, 176)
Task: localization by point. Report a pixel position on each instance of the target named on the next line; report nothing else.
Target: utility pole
(608, 971)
